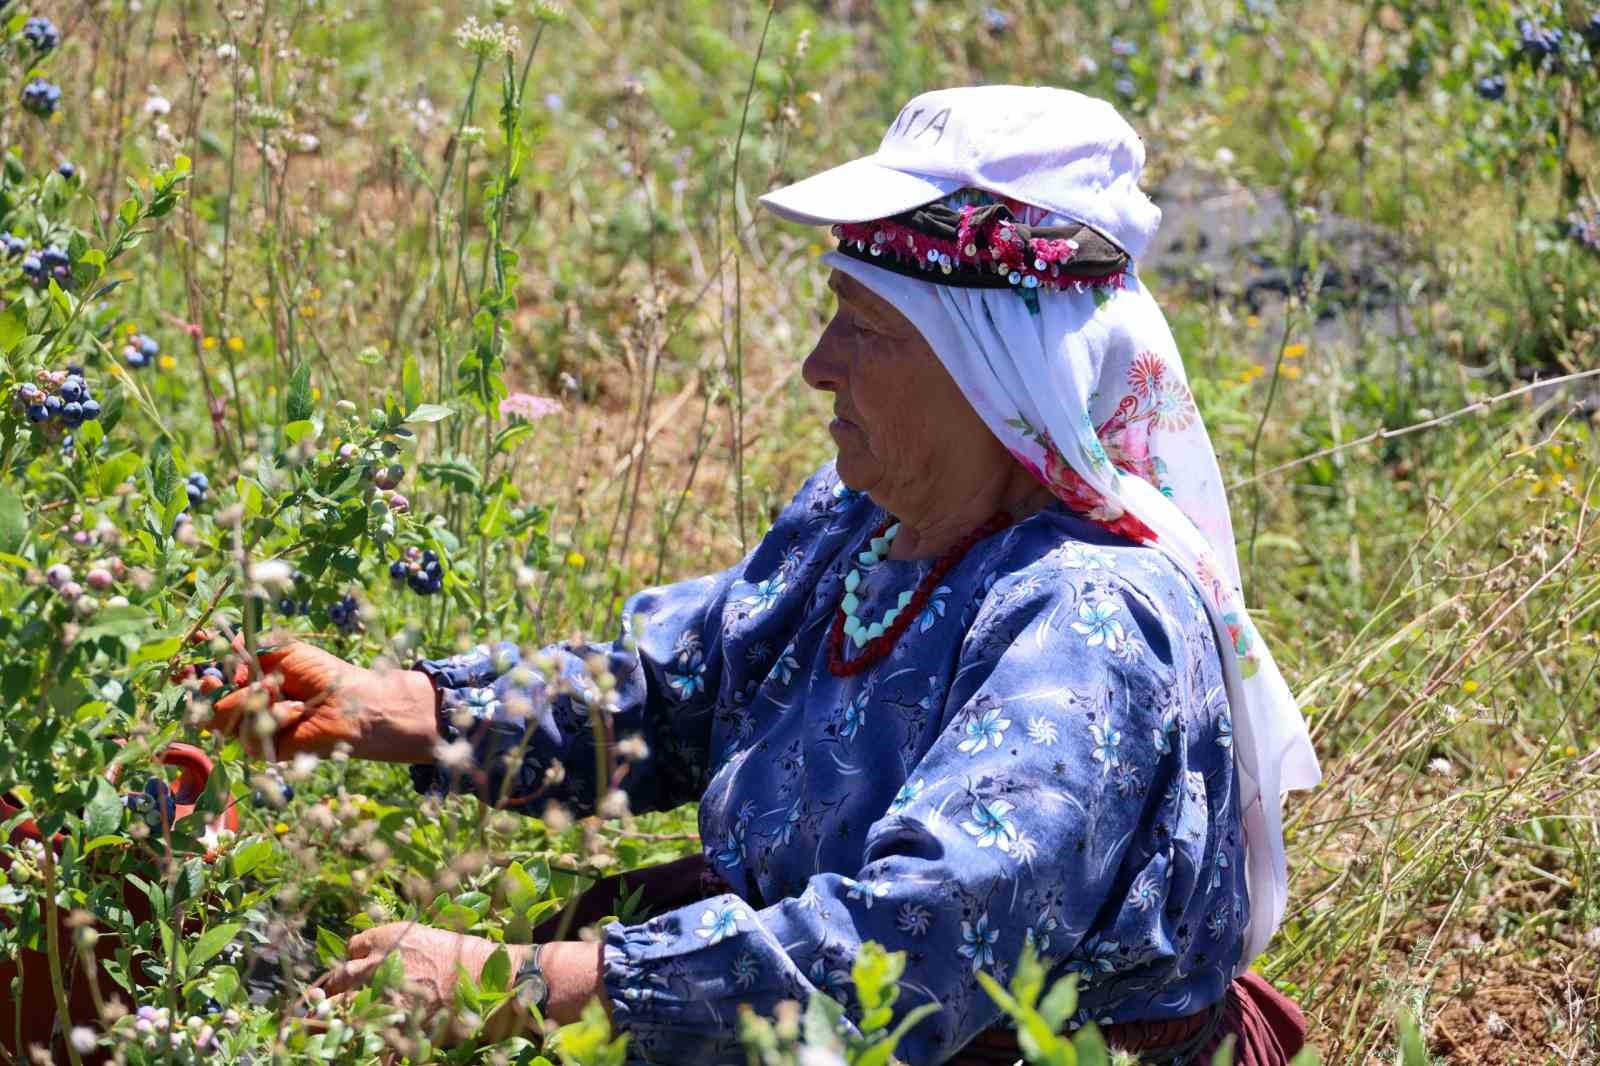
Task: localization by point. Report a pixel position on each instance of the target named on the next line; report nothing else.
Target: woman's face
(900, 420)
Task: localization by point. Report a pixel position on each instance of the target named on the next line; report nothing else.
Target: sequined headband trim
(985, 247)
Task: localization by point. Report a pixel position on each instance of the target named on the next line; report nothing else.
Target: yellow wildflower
(166, 362)
(1252, 321)
(235, 344)
(209, 343)
(1572, 752)
(1291, 372)
(315, 294)
(281, 828)
(316, 393)
(1294, 351)
(260, 301)
(575, 559)
(1469, 686)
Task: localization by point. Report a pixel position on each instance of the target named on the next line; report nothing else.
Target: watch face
(534, 990)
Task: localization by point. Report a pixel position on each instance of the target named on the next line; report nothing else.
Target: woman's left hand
(430, 956)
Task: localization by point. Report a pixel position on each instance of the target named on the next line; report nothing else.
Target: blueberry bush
(396, 330)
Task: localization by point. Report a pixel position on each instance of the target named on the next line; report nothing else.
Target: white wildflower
(157, 105)
(491, 41)
(1441, 766)
(454, 755)
(82, 1038)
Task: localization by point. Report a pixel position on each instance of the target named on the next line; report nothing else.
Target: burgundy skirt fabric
(1268, 1029)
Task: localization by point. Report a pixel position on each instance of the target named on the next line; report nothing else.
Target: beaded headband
(985, 247)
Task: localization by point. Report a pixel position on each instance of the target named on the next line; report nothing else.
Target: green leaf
(212, 941)
(297, 431)
(103, 815)
(117, 469)
(300, 405)
(411, 384)
(429, 412)
(13, 525)
(104, 842)
(250, 856)
(161, 473)
(496, 976)
(1059, 1003)
(152, 650)
(521, 890)
(330, 947)
(13, 326)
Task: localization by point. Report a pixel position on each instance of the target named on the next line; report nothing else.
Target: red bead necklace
(879, 646)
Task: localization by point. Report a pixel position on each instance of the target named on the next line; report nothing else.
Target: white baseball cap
(1063, 151)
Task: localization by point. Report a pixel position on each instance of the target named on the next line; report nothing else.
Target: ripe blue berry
(41, 97)
(52, 404)
(38, 412)
(33, 267)
(1492, 87)
(397, 569)
(996, 21)
(41, 33)
(346, 614)
(72, 390)
(67, 170)
(196, 487)
(1591, 29)
(1125, 87)
(72, 413)
(91, 410)
(14, 246)
(1538, 40)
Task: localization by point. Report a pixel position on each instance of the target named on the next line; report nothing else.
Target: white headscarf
(1087, 390)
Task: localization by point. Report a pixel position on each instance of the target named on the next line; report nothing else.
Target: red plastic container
(38, 1008)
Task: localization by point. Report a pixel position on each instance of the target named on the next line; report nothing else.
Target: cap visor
(857, 191)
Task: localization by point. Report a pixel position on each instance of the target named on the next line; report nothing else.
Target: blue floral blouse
(1045, 755)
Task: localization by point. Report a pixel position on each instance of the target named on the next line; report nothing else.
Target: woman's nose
(823, 368)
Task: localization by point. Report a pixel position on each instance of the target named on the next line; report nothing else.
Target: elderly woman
(988, 680)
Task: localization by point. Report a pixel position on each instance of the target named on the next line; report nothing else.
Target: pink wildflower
(528, 406)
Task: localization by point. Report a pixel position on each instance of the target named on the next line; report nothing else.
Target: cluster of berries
(62, 394)
(41, 97)
(419, 569)
(1539, 41)
(140, 351)
(99, 578)
(41, 33)
(156, 806)
(40, 267)
(346, 615)
(196, 486)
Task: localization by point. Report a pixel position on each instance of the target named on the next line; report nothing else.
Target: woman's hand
(310, 701)
(430, 956)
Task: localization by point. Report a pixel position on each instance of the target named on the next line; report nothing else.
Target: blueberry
(67, 170)
(1591, 29)
(68, 446)
(201, 480)
(397, 570)
(430, 557)
(346, 614)
(286, 605)
(91, 410)
(41, 97)
(1492, 87)
(996, 21)
(147, 346)
(72, 390)
(55, 257)
(72, 413)
(52, 403)
(41, 33)
(38, 412)
(1121, 46)
(1538, 41)
(1125, 87)
(14, 245)
(32, 267)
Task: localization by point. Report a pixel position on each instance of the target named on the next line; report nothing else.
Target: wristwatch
(532, 988)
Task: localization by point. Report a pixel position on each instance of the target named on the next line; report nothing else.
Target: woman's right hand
(308, 700)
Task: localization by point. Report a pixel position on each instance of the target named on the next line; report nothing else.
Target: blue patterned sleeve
(519, 733)
(1053, 796)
